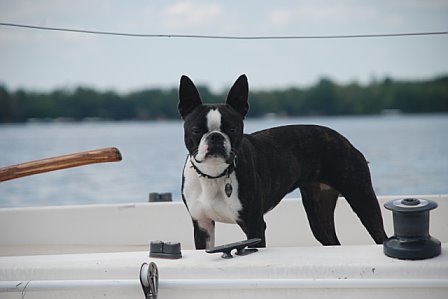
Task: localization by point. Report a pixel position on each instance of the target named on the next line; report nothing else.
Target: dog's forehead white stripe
(214, 120)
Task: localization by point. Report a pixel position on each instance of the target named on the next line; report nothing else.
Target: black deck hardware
(411, 239)
(167, 250)
(239, 246)
(160, 197)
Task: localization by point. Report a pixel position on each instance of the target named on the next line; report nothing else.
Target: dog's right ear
(189, 97)
(238, 96)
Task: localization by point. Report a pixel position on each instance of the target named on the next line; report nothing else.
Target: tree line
(324, 98)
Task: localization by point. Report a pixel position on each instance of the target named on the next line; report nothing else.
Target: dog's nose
(215, 138)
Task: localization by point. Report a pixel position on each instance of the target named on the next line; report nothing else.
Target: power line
(229, 37)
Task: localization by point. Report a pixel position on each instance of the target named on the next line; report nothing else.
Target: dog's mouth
(218, 155)
(216, 151)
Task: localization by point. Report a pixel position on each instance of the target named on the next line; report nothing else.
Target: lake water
(408, 155)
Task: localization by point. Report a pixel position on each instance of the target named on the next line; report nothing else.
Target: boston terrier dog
(234, 177)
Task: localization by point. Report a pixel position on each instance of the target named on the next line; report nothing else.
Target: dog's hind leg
(204, 233)
(319, 201)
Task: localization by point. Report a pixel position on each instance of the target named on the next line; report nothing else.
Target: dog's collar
(226, 171)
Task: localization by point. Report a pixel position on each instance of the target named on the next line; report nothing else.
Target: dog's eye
(196, 130)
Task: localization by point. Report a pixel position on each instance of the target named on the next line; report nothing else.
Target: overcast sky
(45, 60)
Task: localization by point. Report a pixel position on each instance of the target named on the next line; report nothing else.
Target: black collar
(226, 171)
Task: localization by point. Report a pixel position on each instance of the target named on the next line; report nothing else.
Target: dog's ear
(189, 97)
(238, 96)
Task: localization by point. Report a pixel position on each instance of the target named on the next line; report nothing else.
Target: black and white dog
(236, 178)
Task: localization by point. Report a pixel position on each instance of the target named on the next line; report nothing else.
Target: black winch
(411, 239)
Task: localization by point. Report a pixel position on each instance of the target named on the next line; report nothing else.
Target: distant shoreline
(326, 98)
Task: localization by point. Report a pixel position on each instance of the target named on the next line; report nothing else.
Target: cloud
(189, 14)
(280, 17)
(317, 13)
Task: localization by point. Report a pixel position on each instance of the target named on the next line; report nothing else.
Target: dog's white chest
(206, 198)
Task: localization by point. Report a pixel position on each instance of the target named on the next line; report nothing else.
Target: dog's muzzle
(216, 145)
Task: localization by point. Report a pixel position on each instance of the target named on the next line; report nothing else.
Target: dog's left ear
(189, 97)
(238, 96)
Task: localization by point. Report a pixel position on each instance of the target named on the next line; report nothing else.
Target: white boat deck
(317, 272)
(97, 251)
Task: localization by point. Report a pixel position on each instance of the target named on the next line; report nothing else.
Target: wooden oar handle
(110, 154)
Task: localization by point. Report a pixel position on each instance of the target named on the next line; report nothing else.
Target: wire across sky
(223, 37)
